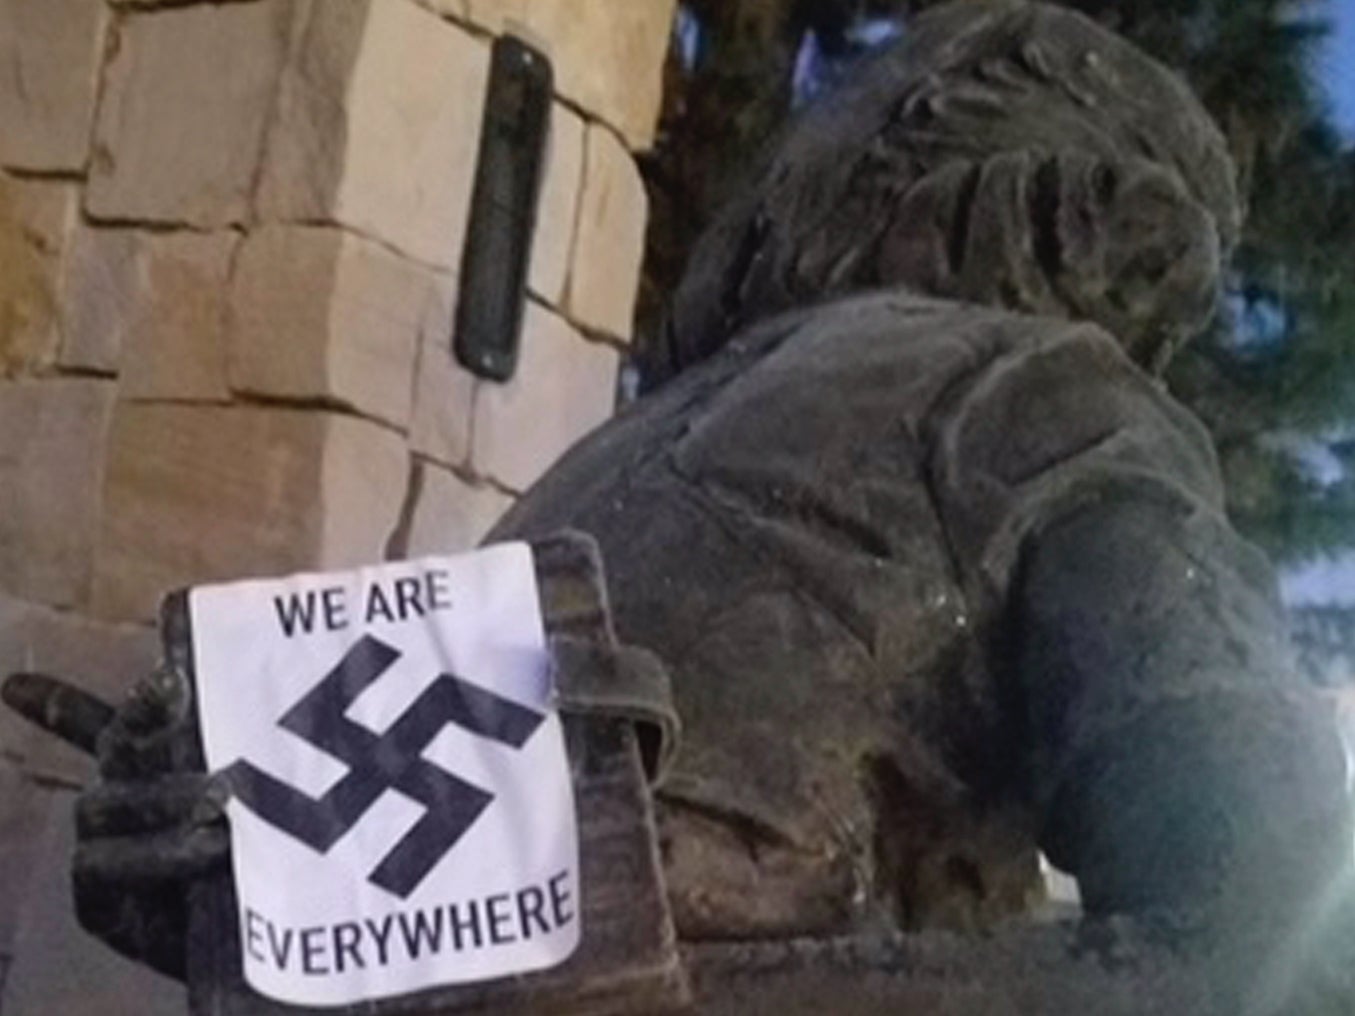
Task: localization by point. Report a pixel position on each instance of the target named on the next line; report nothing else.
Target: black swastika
(378, 762)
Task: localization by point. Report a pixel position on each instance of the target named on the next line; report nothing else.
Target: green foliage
(1284, 509)
(1299, 253)
(720, 113)
(1325, 640)
(1248, 60)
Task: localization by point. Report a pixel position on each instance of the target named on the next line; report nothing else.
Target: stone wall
(229, 243)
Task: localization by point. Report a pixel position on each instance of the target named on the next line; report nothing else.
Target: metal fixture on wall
(503, 210)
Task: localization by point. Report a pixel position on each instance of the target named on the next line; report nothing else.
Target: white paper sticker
(402, 815)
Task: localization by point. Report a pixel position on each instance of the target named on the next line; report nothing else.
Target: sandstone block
(210, 493)
(447, 8)
(608, 54)
(36, 217)
(103, 659)
(150, 304)
(443, 390)
(558, 208)
(52, 442)
(605, 275)
(51, 50)
(363, 481)
(186, 103)
(564, 387)
(102, 285)
(320, 313)
(449, 514)
(378, 126)
(176, 327)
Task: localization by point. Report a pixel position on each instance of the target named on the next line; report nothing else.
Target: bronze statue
(940, 572)
(941, 581)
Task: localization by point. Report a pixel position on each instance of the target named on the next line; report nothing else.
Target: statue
(940, 572)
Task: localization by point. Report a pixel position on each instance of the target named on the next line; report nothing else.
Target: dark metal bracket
(494, 262)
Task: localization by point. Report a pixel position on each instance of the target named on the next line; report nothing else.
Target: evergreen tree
(1324, 638)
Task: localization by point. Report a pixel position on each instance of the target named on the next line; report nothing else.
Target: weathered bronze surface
(1005, 153)
(941, 573)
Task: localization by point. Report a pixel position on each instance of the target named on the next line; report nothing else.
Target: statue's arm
(1177, 762)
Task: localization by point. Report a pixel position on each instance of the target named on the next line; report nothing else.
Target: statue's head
(1005, 153)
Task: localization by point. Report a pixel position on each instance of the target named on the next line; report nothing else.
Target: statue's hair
(1083, 157)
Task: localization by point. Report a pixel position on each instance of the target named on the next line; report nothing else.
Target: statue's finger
(176, 801)
(145, 740)
(156, 702)
(167, 856)
(75, 716)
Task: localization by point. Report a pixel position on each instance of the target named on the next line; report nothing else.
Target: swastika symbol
(378, 762)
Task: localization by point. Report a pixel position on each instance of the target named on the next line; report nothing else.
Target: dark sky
(1338, 65)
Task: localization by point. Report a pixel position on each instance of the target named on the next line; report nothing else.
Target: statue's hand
(148, 828)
